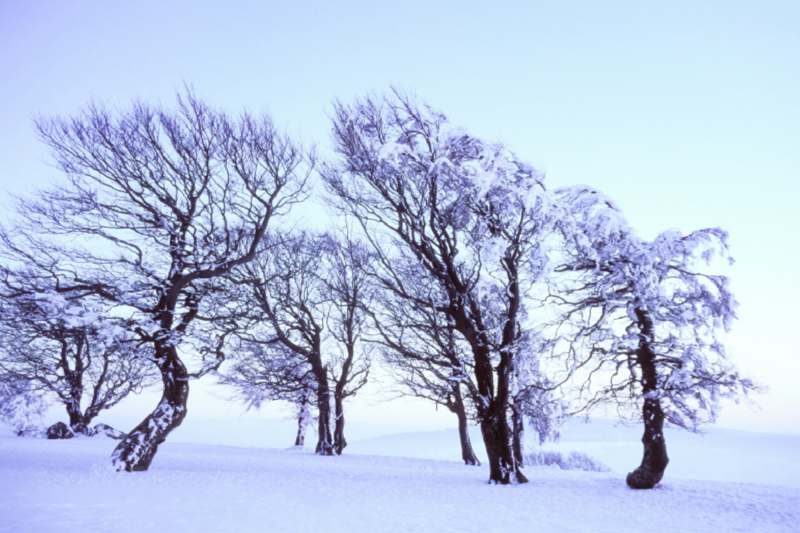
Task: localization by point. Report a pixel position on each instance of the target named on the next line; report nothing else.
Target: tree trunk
(457, 406)
(503, 469)
(517, 430)
(77, 421)
(339, 441)
(655, 459)
(137, 449)
(74, 377)
(303, 418)
(497, 435)
(324, 445)
(492, 409)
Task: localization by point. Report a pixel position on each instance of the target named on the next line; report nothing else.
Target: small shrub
(574, 461)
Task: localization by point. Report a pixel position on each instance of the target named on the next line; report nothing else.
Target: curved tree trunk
(137, 449)
(655, 459)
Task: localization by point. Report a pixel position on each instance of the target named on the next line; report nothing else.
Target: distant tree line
(168, 248)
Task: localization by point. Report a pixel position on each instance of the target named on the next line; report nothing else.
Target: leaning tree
(157, 206)
(641, 326)
(470, 213)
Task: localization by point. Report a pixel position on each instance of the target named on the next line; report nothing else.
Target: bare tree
(308, 293)
(157, 207)
(469, 213)
(349, 295)
(422, 350)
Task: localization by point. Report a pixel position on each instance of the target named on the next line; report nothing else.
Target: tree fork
(503, 469)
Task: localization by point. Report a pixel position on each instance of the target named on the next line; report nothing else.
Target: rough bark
(136, 451)
(655, 459)
(457, 406)
(78, 421)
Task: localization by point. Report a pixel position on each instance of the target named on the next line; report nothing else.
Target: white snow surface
(70, 486)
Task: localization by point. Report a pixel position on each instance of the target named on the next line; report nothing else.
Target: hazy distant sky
(686, 112)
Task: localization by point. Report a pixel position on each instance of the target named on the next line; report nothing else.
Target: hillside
(68, 486)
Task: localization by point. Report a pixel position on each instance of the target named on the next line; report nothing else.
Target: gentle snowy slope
(67, 486)
(718, 455)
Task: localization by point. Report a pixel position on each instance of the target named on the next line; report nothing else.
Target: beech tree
(69, 351)
(308, 294)
(157, 206)
(469, 213)
(645, 323)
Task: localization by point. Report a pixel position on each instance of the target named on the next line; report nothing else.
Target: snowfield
(68, 486)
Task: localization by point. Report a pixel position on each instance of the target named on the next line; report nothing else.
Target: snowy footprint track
(69, 486)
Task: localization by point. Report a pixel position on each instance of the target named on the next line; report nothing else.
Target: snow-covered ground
(68, 486)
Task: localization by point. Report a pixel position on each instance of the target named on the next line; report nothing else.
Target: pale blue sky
(686, 112)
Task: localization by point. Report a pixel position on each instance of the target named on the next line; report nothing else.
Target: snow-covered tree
(307, 293)
(264, 371)
(156, 208)
(21, 406)
(470, 213)
(69, 350)
(642, 323)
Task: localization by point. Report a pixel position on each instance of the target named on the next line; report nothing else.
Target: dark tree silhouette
(308, 289)
(469, 213)
(157, 207)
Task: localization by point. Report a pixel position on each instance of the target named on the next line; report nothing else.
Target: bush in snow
(574, 461)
